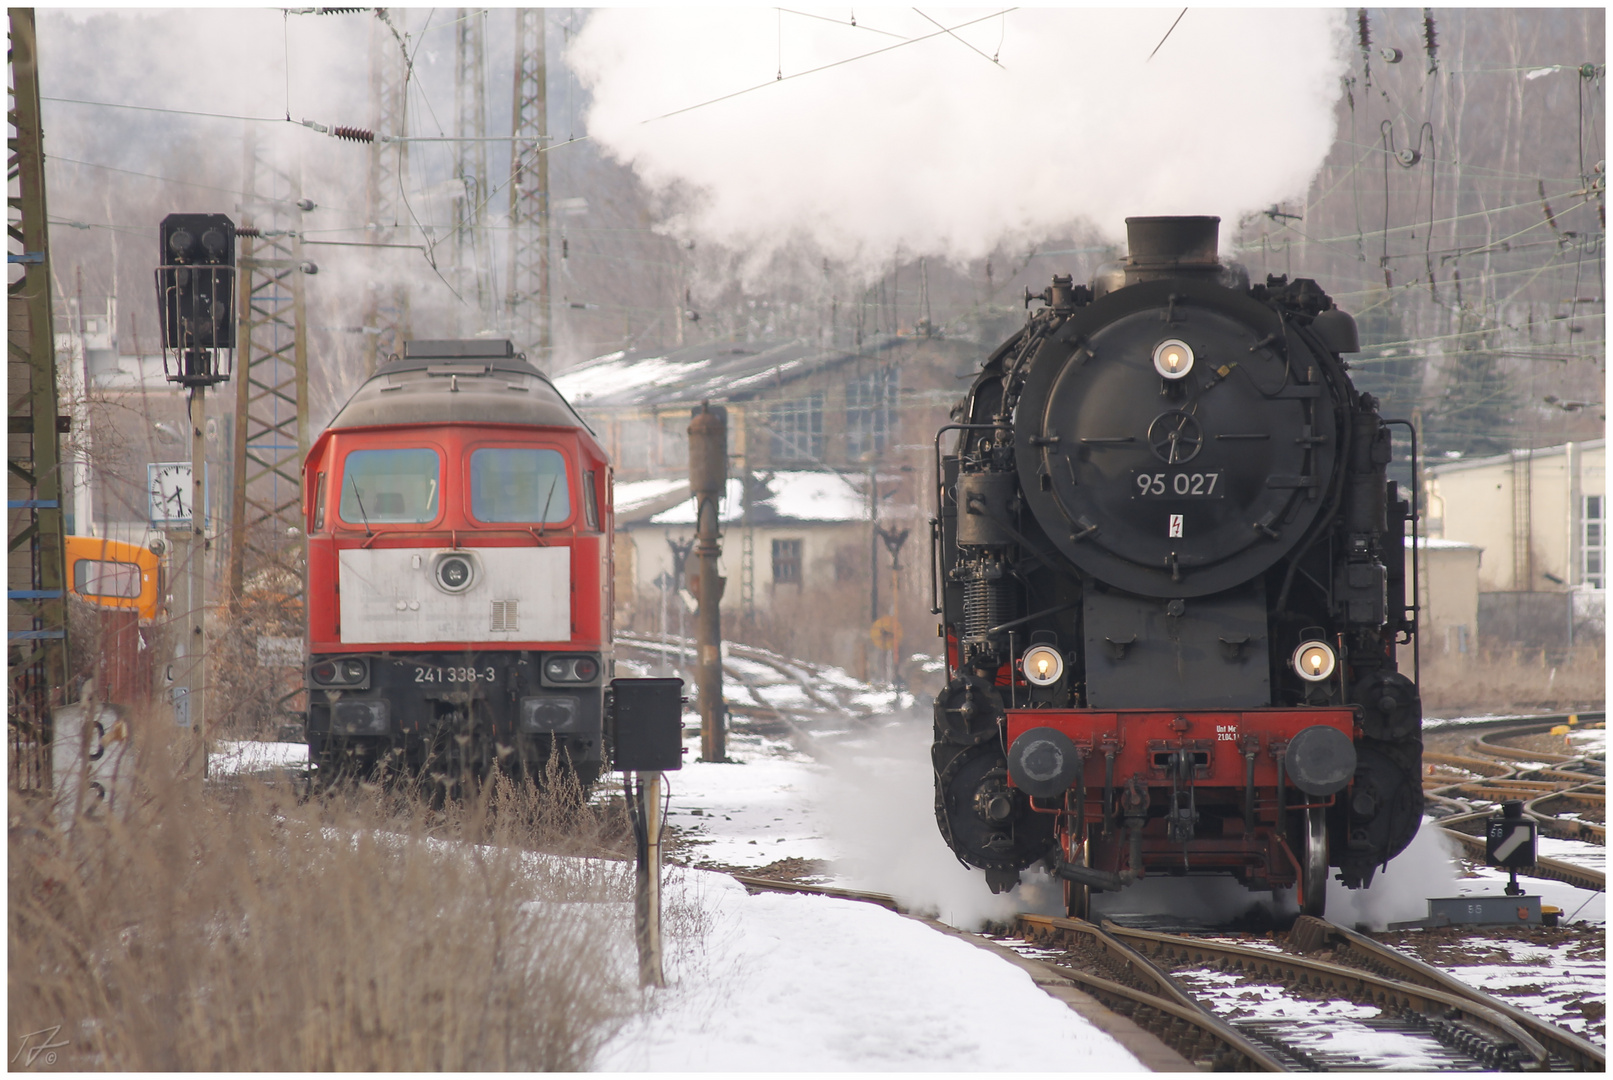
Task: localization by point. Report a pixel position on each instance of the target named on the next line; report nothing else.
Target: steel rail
(760, 884)
(1542, 721)
(1310, 933)
(1554, 824)
(1433, 1004)
(1166, 996)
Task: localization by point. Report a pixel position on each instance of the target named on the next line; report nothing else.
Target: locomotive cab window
(519, 483)
(390, 487)
(319, 504)
(105, 577)
(590, 499)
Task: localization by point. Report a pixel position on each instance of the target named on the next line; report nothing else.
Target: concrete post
(708, 476)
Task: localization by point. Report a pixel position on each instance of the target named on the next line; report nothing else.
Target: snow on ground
(825, 984)
(793, 983)
(1550, 981)
(749, 814)
(228, 757)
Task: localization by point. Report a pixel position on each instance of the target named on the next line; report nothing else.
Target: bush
(233, 927)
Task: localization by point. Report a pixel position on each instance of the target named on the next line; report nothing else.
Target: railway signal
(1509, 842)
(196, 311)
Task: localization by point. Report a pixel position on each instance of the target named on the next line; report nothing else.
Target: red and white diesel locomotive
(459, 571)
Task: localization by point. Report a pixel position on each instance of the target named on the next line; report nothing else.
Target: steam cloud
(933, 149)
(880, 808)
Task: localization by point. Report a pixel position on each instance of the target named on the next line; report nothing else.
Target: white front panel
(516, 594)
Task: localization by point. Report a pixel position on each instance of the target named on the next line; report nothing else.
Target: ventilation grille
(505, 616)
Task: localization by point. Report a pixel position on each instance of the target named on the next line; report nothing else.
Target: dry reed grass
(1513, 680)
(236, 927)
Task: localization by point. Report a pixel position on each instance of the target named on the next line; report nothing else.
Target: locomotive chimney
(1171, 247)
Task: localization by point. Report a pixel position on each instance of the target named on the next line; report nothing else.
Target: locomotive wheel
(987, 823)
(1314, 887)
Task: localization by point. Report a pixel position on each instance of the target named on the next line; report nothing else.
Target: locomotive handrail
(1416, 588)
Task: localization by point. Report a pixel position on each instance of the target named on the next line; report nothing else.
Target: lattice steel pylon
(526, 298)
(271, 381)
(36, 609)
(471, 251)
(386, 312)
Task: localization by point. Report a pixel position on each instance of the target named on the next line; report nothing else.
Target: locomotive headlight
(1173, 358)
(1315, 660)
(454, 571)
(1043, 665)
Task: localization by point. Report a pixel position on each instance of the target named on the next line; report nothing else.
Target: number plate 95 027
(1172, 484)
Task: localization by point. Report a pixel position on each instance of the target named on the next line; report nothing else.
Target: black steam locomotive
(1172, 571)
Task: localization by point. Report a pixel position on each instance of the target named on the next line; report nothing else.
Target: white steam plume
(881, 814)
(933, 148)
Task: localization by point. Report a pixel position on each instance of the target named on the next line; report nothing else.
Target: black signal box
(196, 281)
(1509, 840)
(647, 724)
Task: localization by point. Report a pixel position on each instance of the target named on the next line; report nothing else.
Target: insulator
(248, 230)
(355, 134)
(339, 10)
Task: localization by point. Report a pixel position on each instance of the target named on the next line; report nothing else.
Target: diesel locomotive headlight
(360, 718)
(1315, 660)
(570, 669)
(1173, 358)
(453, 572)
(1043, 665)
(545, 715)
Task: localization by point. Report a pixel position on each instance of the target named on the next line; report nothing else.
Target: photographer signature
(44, 1046)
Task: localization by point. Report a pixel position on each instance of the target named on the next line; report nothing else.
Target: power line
(176, 112)
(826, 67)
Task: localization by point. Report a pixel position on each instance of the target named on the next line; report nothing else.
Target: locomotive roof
(446, 382)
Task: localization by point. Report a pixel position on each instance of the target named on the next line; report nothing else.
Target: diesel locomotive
(1172, 575)
(459, 522)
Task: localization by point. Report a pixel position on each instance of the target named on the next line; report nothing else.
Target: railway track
(1155, 980)
(1565, 793)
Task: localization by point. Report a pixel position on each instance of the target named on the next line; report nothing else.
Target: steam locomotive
(1172, 574)
(459, 571)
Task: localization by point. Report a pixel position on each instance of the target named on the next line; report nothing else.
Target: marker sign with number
(1509, 843)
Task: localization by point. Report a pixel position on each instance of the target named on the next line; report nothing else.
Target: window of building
(787, 562)
(519, 483)
(674, 442)
(1592, 542)
(636, 438)
(870, 412)
(389, 486)
(798, 429)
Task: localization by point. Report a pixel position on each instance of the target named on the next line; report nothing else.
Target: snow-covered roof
(712, 370)
(776, 498)
(1436, 543)
(635, 495)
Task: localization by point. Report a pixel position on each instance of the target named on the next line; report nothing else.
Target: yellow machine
(113, 574)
